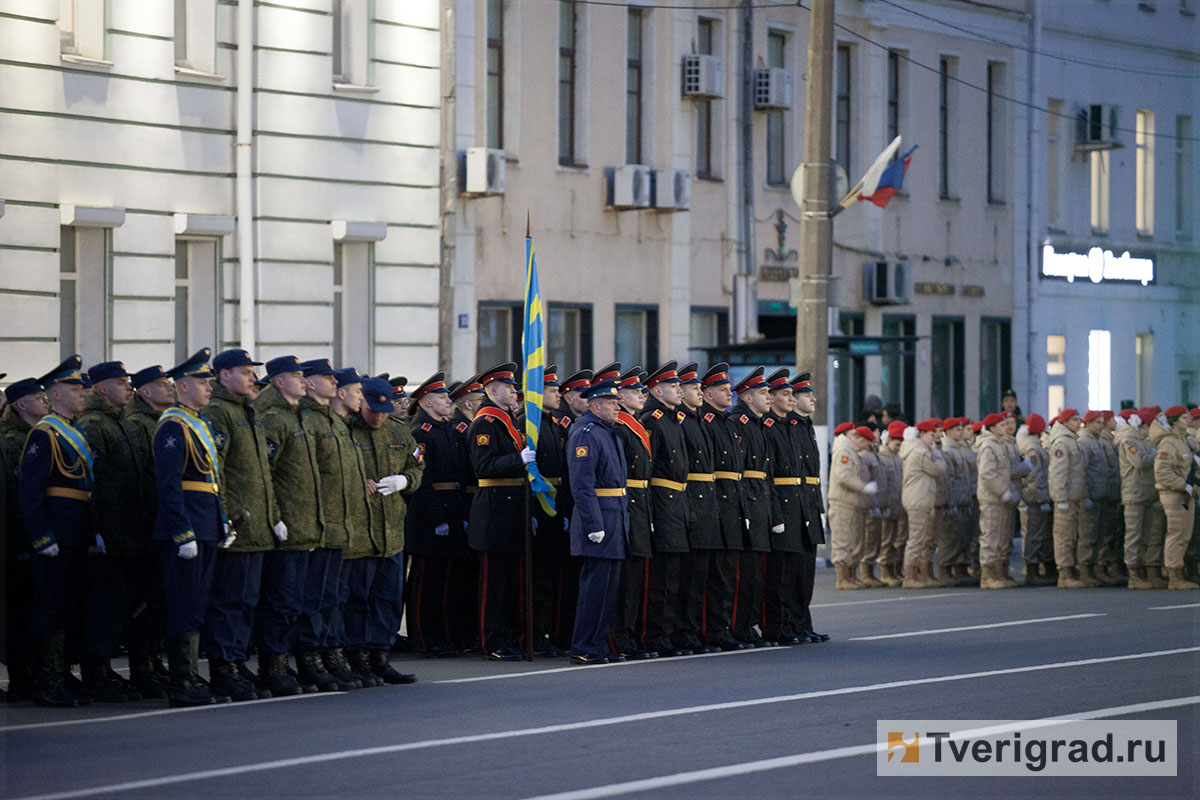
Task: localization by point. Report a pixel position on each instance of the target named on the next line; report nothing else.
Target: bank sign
(1096, 265)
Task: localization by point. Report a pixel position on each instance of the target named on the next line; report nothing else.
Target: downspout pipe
(244, 148)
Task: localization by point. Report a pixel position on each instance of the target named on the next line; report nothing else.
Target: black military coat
(670, 460)
(498, 510)
(436, 523)
(757, 492)
(728, 459)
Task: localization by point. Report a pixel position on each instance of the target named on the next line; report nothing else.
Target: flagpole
(527, 589)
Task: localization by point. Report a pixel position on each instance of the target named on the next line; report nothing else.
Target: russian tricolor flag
(883, 179)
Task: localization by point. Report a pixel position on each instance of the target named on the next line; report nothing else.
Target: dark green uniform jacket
(391, 450)
(247, 494)
(294, 472)
(119, 492)
(343, 484)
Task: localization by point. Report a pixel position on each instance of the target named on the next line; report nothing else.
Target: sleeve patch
(272, 449)
(845, 459)
(657, 413)
(425, 426)
(768, 422)
(461, 427)
(419, 453)
(219, 439)
(744, 419)
(1163, 455)
(564, 421)
(581, 451)
(482, 440)
(1133, 448)
(709, 417)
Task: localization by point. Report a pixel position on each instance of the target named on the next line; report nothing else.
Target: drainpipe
(244, 148)
(1032, 236)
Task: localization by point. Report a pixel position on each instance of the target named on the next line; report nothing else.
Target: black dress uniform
(728, 461)
(435, 539)
(629, 621)
(813, 504)
(669, 501)
(55, 486)
(497, 528)
(783, 563)
(555, 573)
(465, 593)
(757, 495)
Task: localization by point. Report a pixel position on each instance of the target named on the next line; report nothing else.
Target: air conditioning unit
(703, 77)
(671, 189)
(885, 283)
(628, 186)
(772, 88)
(482, 171)
(1096, 128)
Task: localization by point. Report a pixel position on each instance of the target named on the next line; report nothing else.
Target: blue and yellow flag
(533, 345)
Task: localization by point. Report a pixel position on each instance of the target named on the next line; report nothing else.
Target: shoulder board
(564, 421)
(679, 416)
(460, 427)
(657, 413)
(425, 426)
(743, 419)
(768, 422)
(587, 427)
(709, 417)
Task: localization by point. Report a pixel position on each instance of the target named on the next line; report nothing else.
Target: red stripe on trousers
(420, 594)
(737, 589)
(483, 606)
(645, 598)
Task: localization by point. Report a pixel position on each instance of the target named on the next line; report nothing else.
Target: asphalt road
(782, 722)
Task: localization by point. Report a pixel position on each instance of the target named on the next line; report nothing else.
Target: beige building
(571, 94)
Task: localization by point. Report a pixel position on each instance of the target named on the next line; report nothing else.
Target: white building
(131, 231)
(1113, 171)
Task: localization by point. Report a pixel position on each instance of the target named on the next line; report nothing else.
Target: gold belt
(199, 486)
(70, 494)
(789, 481)
(755, 473)
(702, 477)
(727, 476)
(811, 481)
(620, 492)
(446, 486)
(633, 483)
(666, 484)
(487, 482)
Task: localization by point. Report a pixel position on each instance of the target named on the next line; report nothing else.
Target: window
(569, 336)
(705, 43)
(946, 350)
(354, 305)
(1053, 159)
(1144, 350)
(85, 293)
(995, 363)
(1187, 379)
(849, 372)
(707, 327)
(499, 334)
(568, 23)
(351, 42)
(1144, 199)
(495, 74)
(997, 140)
(893, 95)
(1099, 159)
(633, 87)
(197, 296)
(899, 367)
(196, 35)
(636, 336)
(776, 149)
(946, 71)
(1099, 366)
(842, 108)
(82, 28)
(1056, 372)
(1183, 176)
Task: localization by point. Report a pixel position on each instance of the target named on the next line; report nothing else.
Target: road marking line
(499, 676)
(320, 758)
(904, 598)
(1185, 605)
(160, 712)
(972, 627)
(751, 767)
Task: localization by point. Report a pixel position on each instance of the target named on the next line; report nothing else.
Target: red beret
(929, 425)
(1108, 414)
(1156, 409)
(845, 426)
(964, 421)
(1091, 415)
(1067, 414)
(896, 429)
(977, 426)
(1126, 413)
(1175, 411)
(1146, 415)
(1035, 423)
(1195, 412)
(992, 419)
(865, 432)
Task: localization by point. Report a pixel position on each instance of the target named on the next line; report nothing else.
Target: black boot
(49, 664)
(335, 663)
(274, 675)
(105, 686)
(184, 688)
(224, 680)
(263, 692)
(360, 667)
(144, 678)
(381, 666)
(312, 670)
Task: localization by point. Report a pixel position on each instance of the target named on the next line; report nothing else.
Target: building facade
(192, 173)
(1109, 306)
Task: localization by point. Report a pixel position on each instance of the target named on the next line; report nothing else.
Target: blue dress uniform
(55, 486)
(596, 462)
(186, 474)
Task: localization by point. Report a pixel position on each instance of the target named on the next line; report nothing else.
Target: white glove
(280, 531)
(747, 524)
(1191, 490)
(49, 551)
(1196, 458)
(528, 455)
(1064, 506)
(1088, 504)
(1022, 508)
(230, 538)
(778, 528)
(871, 488)
(596, 537)
(1047, 507)
(392, 484)
(189, 550)
(98, 547)
(442, 530)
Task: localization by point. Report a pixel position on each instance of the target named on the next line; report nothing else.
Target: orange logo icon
(911, 750)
